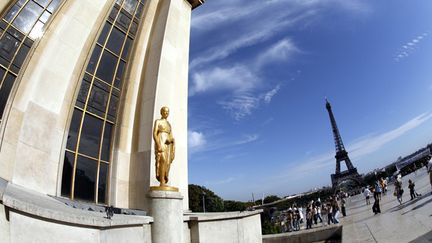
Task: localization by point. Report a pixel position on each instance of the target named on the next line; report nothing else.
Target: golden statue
(164, 150)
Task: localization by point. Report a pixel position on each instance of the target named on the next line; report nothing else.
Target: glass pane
(112, 112)
(54, 5)
(130, 5)
(15, 33)
(113, 14)
(119, 74)
(28, 42)
(2, 72)
(85, 179)
(67, 174)
(115, 41)
(133, 28)
(44, 3)
(8, 46)
(107, 67)
(94, 59)
(11, 13)
(104, 33)
(139, 11)
(74, 129)
(126, 47)
(3, 26)
(45, 16)
(98, 98)
(119, 2)
(103, 173)
(82, 95)
(123, 21)
(21, 2)
(21, 55)
(90, 136)
(27, 17)
(5, 91)
(106, 142)
(37, 30)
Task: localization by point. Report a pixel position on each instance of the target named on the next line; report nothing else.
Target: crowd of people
(380, 188)
(326, 213)
(315, 213)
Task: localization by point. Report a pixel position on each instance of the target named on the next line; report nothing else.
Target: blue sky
(259, 73)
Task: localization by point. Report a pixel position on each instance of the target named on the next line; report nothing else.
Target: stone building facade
(81, 82)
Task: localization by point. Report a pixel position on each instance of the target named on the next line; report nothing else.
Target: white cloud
(245, 38)
(243, 104)
(269, 95)
(219, 142)
(408, 48)
(240, 82)
(281, 51)
(232, 20)
(271, 17)
(247, 139)
(240, 105)
(237, 78)
(372, 144)
(196, 140)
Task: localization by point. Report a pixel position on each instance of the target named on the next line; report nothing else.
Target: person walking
(367, 194)
(429, 169)
(398, 189)
(343, 207)
(309, 216)
(335, 208)
(296, 224)
(383, 184)
(377, 191)
(289, 222)
(376, 206)
(411, 186)
(329, 214)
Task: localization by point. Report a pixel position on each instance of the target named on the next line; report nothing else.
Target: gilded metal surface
(164, 147)
(164, 188)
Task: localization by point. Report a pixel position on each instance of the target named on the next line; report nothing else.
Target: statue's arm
(155, 135)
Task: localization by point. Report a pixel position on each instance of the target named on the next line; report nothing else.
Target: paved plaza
(409, 222)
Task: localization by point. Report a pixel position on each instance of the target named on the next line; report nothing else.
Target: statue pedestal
(167, 212)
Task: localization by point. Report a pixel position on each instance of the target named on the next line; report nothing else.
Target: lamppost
(203, 200)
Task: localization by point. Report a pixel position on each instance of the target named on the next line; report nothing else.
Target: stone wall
(240, 227)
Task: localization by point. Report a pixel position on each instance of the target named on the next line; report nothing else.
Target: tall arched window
(20, 26)
(88, 150)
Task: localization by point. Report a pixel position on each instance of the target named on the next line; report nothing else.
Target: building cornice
(196, 3)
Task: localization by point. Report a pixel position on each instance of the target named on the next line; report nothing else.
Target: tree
(213, 203)
(271, 198)
(231, 206)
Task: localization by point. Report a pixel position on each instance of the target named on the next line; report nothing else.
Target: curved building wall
(39, 111)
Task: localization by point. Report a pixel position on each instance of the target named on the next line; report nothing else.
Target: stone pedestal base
(167, 212)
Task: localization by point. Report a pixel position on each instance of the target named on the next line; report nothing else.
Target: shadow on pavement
(424, 238)
(419, 206)
(408, 203)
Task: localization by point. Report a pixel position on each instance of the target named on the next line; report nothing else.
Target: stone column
(167, 212)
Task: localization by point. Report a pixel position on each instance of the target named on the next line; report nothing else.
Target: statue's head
(164, 112)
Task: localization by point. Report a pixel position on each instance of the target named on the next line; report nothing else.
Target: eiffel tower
(351, 173)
